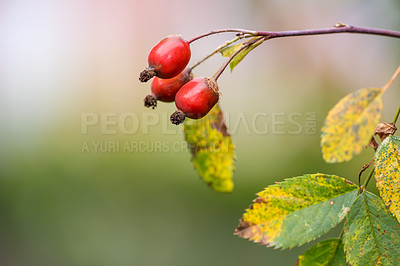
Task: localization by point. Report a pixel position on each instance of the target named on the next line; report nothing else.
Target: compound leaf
(326, 253)
(297, 210)
(350, 125)
(228, 51)
(387, 173)
(371, 233)
(212, 149)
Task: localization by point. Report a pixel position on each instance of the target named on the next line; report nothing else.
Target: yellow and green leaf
(298, 210)
(228, 51)
(329, 252)
(371, 233)
(350, 125)
(212, 149)
(387, 173)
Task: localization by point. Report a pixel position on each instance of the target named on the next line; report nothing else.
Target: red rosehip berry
(195, 99)
(167, 59)
(165, 89)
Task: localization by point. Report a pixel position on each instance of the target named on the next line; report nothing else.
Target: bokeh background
(63, 205)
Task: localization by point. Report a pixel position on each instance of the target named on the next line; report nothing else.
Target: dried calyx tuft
(177, 117)
(150, 101)
(147, 74)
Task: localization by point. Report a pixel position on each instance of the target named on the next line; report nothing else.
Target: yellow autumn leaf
(350, 125)
(212, 150)
(387, 173)
(297, 210)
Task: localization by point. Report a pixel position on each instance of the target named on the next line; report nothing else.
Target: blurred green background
(60, 60)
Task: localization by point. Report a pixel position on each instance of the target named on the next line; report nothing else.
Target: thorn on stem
(340, 25)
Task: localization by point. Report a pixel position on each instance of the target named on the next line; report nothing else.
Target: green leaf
(350, 125)
(230, 50)
(371, 233)
(212, 149)
(326, 253)
(298, 210)
(387, 173)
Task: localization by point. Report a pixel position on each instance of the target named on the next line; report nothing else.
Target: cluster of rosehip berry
(173, 81)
